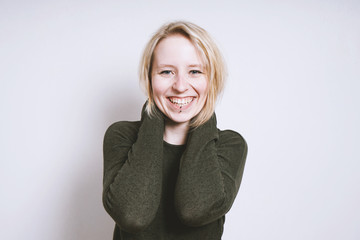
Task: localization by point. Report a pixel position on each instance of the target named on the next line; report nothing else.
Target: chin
(181, 117)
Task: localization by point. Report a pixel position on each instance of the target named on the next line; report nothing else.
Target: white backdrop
(68, 70)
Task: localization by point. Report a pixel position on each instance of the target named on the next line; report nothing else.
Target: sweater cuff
(152, 126)
(205, 132)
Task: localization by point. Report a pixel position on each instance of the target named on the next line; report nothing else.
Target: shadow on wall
(87, 217)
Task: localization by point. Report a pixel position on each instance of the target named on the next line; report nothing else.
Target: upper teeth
(181, 101)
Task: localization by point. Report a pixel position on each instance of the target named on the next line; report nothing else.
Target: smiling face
(178, 77)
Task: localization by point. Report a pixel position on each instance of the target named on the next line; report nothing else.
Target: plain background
(68, 70)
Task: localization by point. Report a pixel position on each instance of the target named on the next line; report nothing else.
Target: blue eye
(166, 72)
(195, 72)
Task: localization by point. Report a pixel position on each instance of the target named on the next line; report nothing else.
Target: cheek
(158, 88)
(202, 88)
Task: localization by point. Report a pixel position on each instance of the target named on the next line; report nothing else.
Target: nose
(180, 84)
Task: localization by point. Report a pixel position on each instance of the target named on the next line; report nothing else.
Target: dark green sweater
(155, 190)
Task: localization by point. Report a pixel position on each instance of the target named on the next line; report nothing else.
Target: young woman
(173, 174)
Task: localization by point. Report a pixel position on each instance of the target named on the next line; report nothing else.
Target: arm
(133, 172)
(210, 174)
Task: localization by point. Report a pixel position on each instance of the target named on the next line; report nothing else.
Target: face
(179, 80)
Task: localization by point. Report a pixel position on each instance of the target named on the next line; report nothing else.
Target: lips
(181, 102)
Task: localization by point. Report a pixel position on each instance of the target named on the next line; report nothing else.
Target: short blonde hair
(213, 60)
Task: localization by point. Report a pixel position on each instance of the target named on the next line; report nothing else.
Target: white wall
(68, 69)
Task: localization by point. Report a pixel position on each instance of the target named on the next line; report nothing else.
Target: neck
(176, 133)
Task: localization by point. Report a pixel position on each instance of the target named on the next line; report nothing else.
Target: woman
(174, 175)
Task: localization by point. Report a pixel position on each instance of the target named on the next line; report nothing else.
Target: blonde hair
(213, 60)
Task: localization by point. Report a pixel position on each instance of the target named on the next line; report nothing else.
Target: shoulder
(122, 130)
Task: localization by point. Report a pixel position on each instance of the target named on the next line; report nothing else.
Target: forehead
(177, 48)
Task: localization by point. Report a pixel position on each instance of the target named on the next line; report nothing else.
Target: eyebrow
(169, 65)
(164, 65)
(196, 65)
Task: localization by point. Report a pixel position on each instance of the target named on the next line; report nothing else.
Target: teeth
(181, 101)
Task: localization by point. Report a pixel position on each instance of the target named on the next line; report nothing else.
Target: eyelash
(165, 72)
(191, 72)
(195, 72)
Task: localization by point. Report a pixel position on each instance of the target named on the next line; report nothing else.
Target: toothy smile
(181, 101)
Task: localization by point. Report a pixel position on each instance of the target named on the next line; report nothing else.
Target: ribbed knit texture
(155, 190)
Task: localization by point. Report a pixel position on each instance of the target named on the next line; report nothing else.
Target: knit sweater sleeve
(210, 174)
(133, 172)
